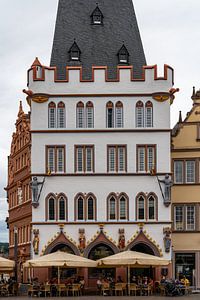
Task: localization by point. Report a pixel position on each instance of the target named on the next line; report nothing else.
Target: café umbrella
(61, 260)
(132, 259)
(6, 265)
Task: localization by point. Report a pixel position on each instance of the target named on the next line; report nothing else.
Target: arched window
(51, 208)
(52, 115)
(80, 208)
(110, 114)
(123, 208)
(112, 208)
(139, 114)
(141, 208)
(151, 208)
(149, 114)
(62, 206)
(89, 115)
(90, 208)
(80, 115)
(61, 115)
(119, 115)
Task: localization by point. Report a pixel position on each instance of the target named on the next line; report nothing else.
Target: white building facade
(99, 148)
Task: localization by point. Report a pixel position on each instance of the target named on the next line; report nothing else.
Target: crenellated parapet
(42, 79)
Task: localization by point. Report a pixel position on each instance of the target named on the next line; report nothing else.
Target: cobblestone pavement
(190, 297)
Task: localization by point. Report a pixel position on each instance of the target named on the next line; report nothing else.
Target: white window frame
(90, 117)
(178, 228)
(178, 171)
(119, 120)
(52, 117)
(139, 117)
(149, 117)
(61, 123)
(190, 227)
(188, 172)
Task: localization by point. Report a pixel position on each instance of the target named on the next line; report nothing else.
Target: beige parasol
(132, 258)
(60, 259)
(6, 265)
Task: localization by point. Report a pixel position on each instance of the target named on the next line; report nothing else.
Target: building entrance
(98, 252)
(64, 273)
(185, 266)
(142, 272)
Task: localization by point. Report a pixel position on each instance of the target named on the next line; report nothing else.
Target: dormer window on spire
(123, 55)
(74, 52)
(97, 16)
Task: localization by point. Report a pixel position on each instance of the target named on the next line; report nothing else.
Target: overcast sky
(170, 31)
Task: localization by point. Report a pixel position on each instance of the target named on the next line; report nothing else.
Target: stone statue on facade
(82, 240)
(36, 241)
(168, 183)
(121, 243)
(167, 239)
(35, 191)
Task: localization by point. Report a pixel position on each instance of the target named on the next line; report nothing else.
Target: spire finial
(36, 63)
(180, 117)
(21, 112)
(193, 91)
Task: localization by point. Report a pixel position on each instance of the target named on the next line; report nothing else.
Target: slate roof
(99, 44)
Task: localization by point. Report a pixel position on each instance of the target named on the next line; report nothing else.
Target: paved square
(190, 297)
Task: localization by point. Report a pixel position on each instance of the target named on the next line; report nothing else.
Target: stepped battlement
(44, 80)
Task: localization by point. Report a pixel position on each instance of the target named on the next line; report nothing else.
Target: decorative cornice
(99, 130)
(99, 174)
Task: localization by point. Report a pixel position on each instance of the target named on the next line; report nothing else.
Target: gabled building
(19, 193)
(185, 194)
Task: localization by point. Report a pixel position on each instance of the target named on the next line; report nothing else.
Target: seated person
(133, 280)
(119, 279)
(185, 281)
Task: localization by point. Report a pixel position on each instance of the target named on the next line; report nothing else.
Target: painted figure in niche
(167, 239)
(121, 244)
(168, 183)
(36, 241)
(82, 240)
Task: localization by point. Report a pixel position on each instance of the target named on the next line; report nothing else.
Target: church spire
(20, 112)
(99, 40)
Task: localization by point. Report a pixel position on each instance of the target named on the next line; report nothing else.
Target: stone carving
(167, 238)
(35, 191)
(82, 240)
(167, 189)
(36, 241)
(122, 241)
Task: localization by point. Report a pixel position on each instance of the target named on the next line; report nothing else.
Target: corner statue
(168, 183)
(35, 191)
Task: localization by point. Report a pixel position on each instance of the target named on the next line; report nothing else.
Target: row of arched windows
(114, 115)
(117, 207)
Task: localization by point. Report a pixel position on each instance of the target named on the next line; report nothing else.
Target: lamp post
(15, 251)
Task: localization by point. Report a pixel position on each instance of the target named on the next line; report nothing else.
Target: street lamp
(15, 250)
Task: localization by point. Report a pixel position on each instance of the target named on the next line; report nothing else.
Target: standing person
(82, 283)
(99, 285)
